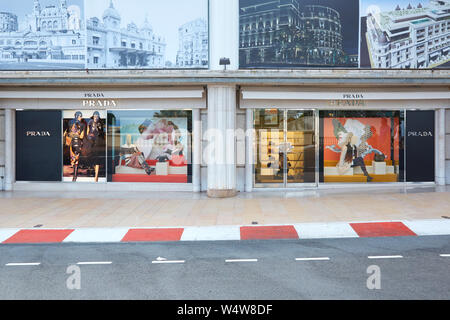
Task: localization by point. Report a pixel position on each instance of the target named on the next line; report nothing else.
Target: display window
(149, 146)
(361, 146)
(84, 146)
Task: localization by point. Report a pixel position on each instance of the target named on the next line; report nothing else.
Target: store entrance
(285, 148)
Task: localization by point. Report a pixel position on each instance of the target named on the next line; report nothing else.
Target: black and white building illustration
(297, 33)
(110, 45)
(36, 36)
(143, 34)
(193, 44)
(407, 37)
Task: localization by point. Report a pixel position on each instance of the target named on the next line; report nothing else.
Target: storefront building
(275, 124)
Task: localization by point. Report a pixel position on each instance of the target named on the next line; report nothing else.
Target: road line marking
(445, 255)
(94, 263)
(168, 261)
(312, 259)
(23, 264)
(385, 257)
(241, 260)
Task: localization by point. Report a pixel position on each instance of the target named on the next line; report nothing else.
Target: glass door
(301, 147)
(285, 148)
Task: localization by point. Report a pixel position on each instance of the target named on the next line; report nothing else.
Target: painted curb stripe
(218, 233)
(39, 236)
(382, 229)
(268, 232)
(215, 233)
(429, 227)
(153, 235)
(97, 235)
(325, 230)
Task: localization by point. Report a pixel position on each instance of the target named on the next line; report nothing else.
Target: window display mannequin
(74, 136)
(350, 157)
(133, 157)
(92, 149)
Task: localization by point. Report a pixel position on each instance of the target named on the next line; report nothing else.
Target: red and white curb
(223, 233)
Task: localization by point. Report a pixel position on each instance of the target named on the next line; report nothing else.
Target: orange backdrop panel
(381, 139)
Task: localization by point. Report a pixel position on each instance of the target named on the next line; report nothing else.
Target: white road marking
(445, 255)
(94, 263)
(312, 259)
(241, 260)
(385, 257)
(168, 261)
(23, 264)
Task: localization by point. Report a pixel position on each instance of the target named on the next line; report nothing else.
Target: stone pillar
(440, 147)
(224, 33)
(220, 152)
(447, 145)
(249, 153)
(2, 149)
(9, 149)
(196, 149)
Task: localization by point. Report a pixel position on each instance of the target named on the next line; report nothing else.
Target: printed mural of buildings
(193, 44)
(291, 32)
(48, 37)
(111, 46)
(411, 37)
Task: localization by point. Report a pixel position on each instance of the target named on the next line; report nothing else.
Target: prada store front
(104, 140)
(307, 138)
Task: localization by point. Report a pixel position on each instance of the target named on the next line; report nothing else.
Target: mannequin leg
(75, 172)
(359, 162)
(97, 169)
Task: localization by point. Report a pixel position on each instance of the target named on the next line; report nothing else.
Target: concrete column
(2, 149)
(447, 145)
(221, 149)
(196, 149)
(249, 151)
(440, 147)
(224, 33)
(9, 149)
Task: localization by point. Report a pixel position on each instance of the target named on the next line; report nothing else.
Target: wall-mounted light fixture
(224, 62)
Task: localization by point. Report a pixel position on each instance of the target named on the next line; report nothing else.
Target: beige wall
(2, 148)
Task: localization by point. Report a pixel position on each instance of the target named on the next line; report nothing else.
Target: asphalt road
(409, 268)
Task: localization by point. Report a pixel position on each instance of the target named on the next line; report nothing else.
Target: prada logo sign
(97, 100)
(99, 103)
(38, 134)
(420, 134)
(349, 100)
(354, 96)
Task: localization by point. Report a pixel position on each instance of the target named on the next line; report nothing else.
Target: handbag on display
(379, 157)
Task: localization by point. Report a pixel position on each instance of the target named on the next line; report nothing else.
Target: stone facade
(2, 149)
(447, 145)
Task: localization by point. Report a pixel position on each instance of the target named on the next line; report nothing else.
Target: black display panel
(38, 146)
(420, 146)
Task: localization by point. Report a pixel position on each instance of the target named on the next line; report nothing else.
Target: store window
(149, 146)
(285, 147)
(361, 146)
(84, 146)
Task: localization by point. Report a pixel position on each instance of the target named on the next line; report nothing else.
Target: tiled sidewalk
(144, 210)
